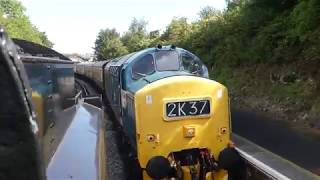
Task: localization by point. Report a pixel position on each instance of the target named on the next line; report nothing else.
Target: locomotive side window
(191, 65)
(167, 61)
(143, 67)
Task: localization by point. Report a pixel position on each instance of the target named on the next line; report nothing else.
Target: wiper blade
(147, 80)
(141, 74)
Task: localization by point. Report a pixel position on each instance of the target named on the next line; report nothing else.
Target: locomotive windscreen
(167, 61)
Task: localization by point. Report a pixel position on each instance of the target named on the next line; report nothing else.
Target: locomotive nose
(181, 113)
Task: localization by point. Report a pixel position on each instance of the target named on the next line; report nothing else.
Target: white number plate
(187, 108)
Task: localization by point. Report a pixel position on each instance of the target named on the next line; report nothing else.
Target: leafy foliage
(177, 31)
(136, 37)
(108, 45)
(18, 25)
(247, 32)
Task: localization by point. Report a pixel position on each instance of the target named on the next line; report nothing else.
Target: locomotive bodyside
(88, 70)
(19, 146)
(92, 71)
(35, 84)
(97, 73)
(52, 83)
(79, 68)
(113, 85)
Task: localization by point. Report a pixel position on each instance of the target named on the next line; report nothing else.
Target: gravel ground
(120, 162)
(115, 165)
(120, 165)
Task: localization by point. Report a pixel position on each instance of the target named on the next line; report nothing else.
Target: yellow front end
(158, 135)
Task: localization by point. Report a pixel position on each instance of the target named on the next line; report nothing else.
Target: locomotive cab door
(114, 90)
(117, 92)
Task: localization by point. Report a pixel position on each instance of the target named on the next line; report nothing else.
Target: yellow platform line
(102, 150)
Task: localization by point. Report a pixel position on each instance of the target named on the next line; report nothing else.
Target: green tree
(18, 25)
(44, 39)
(136, 38)
(11, 8)
(177, 31)
(208, 12)
(155, 38)
(108, 45)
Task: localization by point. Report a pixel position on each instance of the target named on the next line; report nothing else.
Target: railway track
(81, 87)
(89, 94)
(120, 165)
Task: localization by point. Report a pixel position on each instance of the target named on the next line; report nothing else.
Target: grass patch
(226, 77)
(316, 106)
(293, 92)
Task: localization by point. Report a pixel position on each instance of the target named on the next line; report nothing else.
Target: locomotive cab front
(182, 119)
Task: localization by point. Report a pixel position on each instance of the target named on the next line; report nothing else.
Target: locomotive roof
(30, 48)
(121, 60)
(133, 84)
(130, 57)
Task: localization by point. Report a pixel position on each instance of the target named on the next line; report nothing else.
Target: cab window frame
(134, 74)
(194, 59)
(156, 64)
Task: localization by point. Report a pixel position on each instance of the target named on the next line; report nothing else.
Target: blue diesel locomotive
(177, 120)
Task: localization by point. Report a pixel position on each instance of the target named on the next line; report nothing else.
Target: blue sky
(72, 25)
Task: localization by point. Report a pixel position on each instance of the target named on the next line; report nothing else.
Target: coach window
(143, 67)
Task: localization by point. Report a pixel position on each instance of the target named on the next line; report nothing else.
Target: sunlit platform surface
(77, 157)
